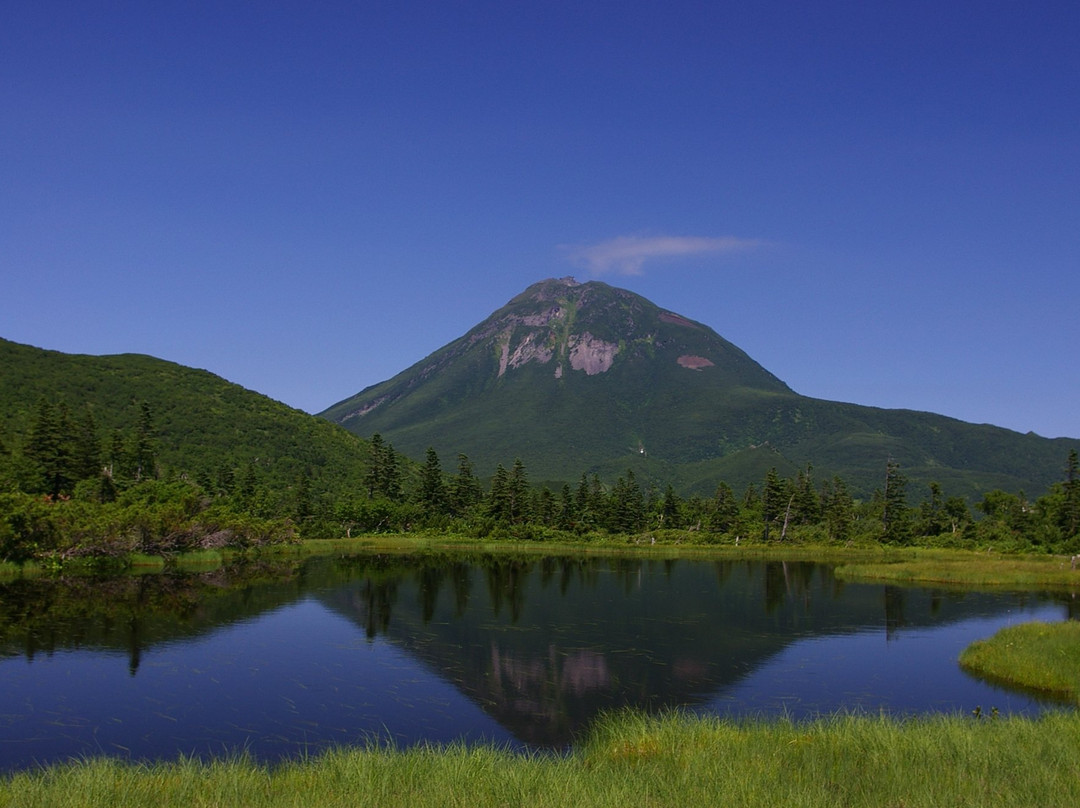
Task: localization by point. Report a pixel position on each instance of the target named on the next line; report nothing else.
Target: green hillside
(202, 423)
(577, 378)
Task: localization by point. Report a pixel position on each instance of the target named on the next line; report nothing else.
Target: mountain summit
(584, 377)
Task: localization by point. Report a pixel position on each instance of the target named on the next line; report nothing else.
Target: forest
(70, 490)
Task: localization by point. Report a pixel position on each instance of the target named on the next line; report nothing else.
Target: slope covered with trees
(576, 376)
(117, 454)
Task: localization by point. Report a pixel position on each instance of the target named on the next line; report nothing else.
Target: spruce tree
(465, 492)
(895, 518)
(432, 486)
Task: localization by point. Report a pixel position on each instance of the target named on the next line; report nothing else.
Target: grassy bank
(1044, 657)
(629, 761)
(911, 566)
(966, 569)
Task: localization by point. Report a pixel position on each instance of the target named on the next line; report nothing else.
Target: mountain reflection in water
(287, 658)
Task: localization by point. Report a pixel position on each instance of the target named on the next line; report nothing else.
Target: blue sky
(879, 202)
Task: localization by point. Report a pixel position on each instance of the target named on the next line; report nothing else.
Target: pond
(286, 659)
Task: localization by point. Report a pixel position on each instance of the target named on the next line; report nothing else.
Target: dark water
(288, 659)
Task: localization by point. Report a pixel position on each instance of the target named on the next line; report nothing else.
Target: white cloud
(626, 255)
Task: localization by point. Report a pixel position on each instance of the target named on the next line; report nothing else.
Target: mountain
(584, 377)
(202, 422)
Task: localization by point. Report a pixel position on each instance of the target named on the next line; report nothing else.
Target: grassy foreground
(630, 760)
(1036, 656)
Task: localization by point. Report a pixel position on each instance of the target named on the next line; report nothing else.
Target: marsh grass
(1044, 657)
(199, 560)
(139, 561)
(967, 569)
(629, 760)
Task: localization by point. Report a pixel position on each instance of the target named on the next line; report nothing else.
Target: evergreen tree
(116, 463)
(383, 477)
(499, 496)
(143, 451)
(567, 510)
(806, 505)
(932, 520)
(581, 497)
(465, 492)
(627, 505)
(670, 516)
(838, 510)
(895, 518)
(517, 493)
(49, 450)
(432, 486)
(86, 451)
(545, 509)
(391, 488)
(373, 479)
(1069, 519)
(725, 510)
(773, 500)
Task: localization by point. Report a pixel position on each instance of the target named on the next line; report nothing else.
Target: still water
(287, 659)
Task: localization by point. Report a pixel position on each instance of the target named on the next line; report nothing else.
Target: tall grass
(1036, 656)
(968, 569)
(630, 760)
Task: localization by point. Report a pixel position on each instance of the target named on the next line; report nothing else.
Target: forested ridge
(69, 491)
(114, 456)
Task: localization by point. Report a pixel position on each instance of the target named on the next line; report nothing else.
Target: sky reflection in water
(512, 652)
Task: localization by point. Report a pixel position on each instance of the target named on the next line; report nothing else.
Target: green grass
(199, 560)
(967, 569)
(629, 761)
(1036, 656)
(141, 561)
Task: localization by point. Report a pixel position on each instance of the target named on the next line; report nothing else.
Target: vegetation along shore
(628, 760)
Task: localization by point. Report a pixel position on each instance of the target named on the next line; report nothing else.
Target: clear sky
(878, 201)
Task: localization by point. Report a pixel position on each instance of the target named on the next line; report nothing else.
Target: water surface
(282, 660)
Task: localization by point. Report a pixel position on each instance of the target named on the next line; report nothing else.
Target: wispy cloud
(626, 255)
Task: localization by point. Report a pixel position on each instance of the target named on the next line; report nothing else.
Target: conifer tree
(499, 497)
(838, 510)
(895, 520)
(517, 490)
(432, 486)
(773, 500)
(725, 509)
(1070, 507)
(143, 452)
(465, 492)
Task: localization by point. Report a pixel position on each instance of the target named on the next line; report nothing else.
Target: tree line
(67, 489)
(398, 497)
